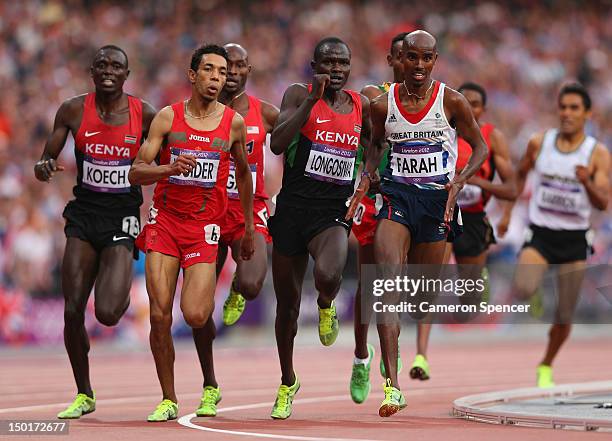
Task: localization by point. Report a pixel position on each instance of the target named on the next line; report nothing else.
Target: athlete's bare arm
(595, 178)
(68, 118)
(244, 183)
(501, 157)
(526, 164)
(269, 113)
(295, 111)
(371, 91)
(142, 171)
(373, 153)
(460, 113)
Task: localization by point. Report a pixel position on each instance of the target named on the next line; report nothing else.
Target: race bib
(330, 164)
(106, 175)
(232, 184)
(204, 174)
(418, 163)
(559, 196)
(469, 195)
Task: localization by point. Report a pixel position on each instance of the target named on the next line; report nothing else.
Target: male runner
(420, 118)
(194, 140)
(571, 176)
(259, 117)
(471, 247)
(318, 130)
(103, 219)
(364, 227)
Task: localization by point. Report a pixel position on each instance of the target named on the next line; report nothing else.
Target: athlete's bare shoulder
(269, 113)
(454, 100)
(371, 91)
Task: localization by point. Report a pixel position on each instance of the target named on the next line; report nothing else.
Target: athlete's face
(238, 69)
(572, 113)
(418, 60)
(334, 60)
(394, 60)
(475, 100)
(109, 71)
(210, 77)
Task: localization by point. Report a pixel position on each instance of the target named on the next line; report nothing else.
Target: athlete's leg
(288, 275)
(361, 324)
(530, 270)
(198, 293)
(112, 293)
(329, 249)
(79, 269)
(391, 245)
(569, 281)
(251, 274)
(161, 273)
(204, 337)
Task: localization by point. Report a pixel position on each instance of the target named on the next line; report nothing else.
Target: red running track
(36, 385)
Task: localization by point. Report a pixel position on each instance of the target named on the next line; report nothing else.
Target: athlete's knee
(74, 314)
(288, 312)
(196, 316)
(250, 287)
(160, 320)
(109, 316)
(327, 280)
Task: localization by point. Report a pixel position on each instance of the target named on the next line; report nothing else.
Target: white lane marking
(186, 421)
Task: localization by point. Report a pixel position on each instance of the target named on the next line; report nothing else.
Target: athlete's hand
(247, 244)
(183, 165)
(45, 169)
(360, 192)
(582, 173)
(319, 83)
(453, 188)
(502, 226)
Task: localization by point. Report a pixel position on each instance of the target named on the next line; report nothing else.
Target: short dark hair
(113, 48)
(578, 89)
(398, 37)
(196, 58)
(328, 40)
(476, 88)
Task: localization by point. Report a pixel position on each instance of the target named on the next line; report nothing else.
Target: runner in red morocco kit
(103, 219)
(194, 140)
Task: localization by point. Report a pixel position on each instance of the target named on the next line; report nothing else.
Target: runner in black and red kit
(102, 220)
(319, 131)
(194, 140)
(259, 118)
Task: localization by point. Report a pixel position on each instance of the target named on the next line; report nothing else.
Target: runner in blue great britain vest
(319, 130)
(420, 119)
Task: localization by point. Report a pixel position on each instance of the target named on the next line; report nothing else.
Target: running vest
(320, 161)
(104, 155)
(255, 142)
(559, 200)
(423, 145)
(202, 194)
(471, 198)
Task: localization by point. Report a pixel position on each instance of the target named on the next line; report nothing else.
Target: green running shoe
(82, 405)
(166, 410)
(545, 377)
(211, 396)
(328, 325)
(284, 400)
(420, 368)
(400, 365)
(233, 306)
(394, 401)
(360, 378)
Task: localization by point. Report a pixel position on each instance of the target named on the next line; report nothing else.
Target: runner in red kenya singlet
(102, 220)
(259, 118)
(194, 140)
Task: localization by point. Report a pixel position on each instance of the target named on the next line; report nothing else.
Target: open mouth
(418, 76)
(212, 90)
(108, 82)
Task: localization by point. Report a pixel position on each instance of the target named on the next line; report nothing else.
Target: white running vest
(422, 154)
(559, 200)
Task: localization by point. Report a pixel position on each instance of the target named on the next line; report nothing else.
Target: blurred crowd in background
(521, 51)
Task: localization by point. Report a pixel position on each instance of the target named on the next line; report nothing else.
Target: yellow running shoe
(208, 404)
(420, 368)
(284, 400)
(545, 377)
(82, 405)
(394, 400)
(166, 410)
(233, 306)
(328, 325)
